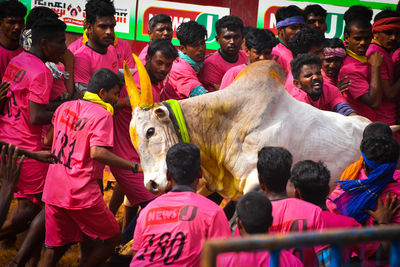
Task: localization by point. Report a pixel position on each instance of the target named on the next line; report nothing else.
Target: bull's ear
(161, 113)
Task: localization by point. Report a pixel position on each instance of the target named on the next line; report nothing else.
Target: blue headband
(290, 21)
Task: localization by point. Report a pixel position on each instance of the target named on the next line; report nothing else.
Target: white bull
(230, 126)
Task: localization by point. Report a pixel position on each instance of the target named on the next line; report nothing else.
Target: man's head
(315, 17)
(100, 22)
(229, 31)
(379, 149)
(273, 168)
(358, 29)
(289, 20)
(259, 44)
(386, 29)
(311, 181)
(37, 13)
(246, 29)
(192, 37)
(160, 56)
(377, 128)
(106, 84)
(307, 41)
(12, 14)
(183, 164)
(254, 211)
(306, 70)
(334, 54)
(48, 38)
(160, 26)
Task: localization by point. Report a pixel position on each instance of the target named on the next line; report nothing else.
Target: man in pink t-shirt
(254, 216)
(259, 44)
(180, 220)
(309, 86)
(12, 23)
(159, 62)
(229, 35)
(159, 26)
(182, 81)
(72, 195)
(289, 21)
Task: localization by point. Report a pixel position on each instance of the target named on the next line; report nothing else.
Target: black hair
(377, 128)
(260, 39)
(380, 149)
(304, 40)
(254, 210)
(287, 12)
(97, 9)
(159, 18)
(46, 28)
(38, 13)
(246, 29)
(12, 8)
(317, 10)
(183, 163)
(359, 16)
(166, 48)
(312, 180)
(387, 13)
(190, 32)
(104, 78)
(273, 167)
(232, 23)
(306, 59)
(333, 43)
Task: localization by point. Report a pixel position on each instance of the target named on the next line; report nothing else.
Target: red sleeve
(335, 97)
(209, 74)
(40, 88)
(219, 226)
(186, 81)
(82, 68)
(101, 132)
(359, 85)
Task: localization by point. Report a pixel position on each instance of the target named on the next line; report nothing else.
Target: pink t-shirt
(281, 54)
(396, 61)
(180, 222)
(359, 75)
(30, 80)
(5, 56)
(87, 61)
(387, 110)
(182, 80)
(72, 182)
(75, 45)
(230, 75)
(256, 258)
(143, 54)
(215, 67)
(327, 101)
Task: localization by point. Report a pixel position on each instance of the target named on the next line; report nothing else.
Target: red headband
(386, 24)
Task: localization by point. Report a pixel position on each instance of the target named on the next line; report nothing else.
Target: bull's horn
(133, 91)
(146, 95)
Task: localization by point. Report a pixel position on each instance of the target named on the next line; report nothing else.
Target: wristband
(135, 167)
(123, 102)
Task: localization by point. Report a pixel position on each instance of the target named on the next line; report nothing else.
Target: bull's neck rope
(180, 120)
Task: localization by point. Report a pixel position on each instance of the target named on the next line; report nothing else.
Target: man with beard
(98, 52)
(310, 87)
(12, 23)
(229, 36)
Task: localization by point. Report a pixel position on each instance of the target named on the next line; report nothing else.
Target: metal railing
(275, 243)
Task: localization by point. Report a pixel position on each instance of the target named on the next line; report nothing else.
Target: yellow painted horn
(131, 88)
(146, 95)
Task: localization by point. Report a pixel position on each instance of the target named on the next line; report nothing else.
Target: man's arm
(42, 156)
(391, 92)
(105, 156)
(38, 114)
(68, 61)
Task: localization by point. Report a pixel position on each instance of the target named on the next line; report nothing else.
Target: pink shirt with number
(172, 229)
(87, 61)
(215, 67)
(387, 110)
(281, 54)
(327, 101)
(256, 258)
(359, 74)
(71, 183)
(230, 75)
(5, 56)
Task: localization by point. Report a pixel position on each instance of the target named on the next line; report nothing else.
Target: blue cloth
(194, 64)
(362, 195)
(198, 90)
(343, 108)
(290, 21)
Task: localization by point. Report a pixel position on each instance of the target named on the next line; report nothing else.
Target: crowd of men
(65, 114)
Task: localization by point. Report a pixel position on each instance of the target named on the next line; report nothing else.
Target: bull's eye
(150, 132)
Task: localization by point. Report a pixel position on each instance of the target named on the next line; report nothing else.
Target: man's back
(171, 229)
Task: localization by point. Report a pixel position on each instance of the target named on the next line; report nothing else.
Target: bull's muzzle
(153, 187)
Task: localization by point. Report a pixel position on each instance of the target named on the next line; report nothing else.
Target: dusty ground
(71, 258)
